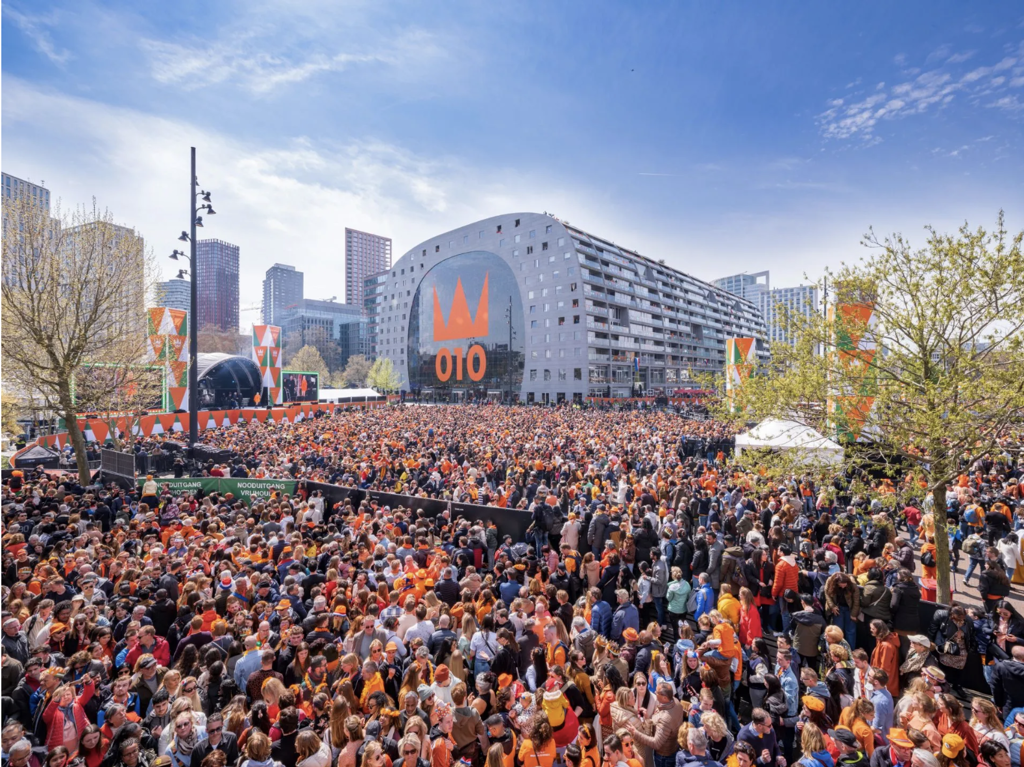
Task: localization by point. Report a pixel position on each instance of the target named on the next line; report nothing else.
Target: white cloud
(853, 118)
(288, 203)
(36, 29)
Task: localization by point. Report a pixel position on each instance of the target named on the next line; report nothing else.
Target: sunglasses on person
(213, 730)
(409, 752)
(182, 725)
(189, 690)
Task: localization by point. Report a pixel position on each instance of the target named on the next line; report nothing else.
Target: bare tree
(73, 294)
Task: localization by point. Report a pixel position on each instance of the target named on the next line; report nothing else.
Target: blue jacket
(705, 601)
(601, 618)
(686, 759)
(625, 616)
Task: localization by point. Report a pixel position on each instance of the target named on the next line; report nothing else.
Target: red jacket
(161, 651)
(787, 576)
(54, 717)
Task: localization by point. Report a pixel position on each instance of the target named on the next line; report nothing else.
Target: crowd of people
(669, 608)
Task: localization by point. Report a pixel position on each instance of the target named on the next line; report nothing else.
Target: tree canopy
(919, 360)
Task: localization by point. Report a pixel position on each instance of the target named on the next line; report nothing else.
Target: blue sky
(722, 137)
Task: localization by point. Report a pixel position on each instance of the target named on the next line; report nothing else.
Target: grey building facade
(527, 306)
(282, 288)
(173, 294)
(16, 188)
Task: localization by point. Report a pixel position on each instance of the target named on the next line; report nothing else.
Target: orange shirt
(533, 756)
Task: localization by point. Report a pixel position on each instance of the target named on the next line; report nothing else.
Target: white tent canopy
(775, 434)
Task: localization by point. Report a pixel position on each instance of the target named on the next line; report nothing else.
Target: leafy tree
(73, 291)
(308, 359)
(383, 377)
(926, 383)
(10, 408)
(356, 371)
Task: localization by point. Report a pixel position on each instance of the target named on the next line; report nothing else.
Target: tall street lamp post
(193, 340)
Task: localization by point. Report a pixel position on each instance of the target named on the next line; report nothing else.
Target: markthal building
(524, 306)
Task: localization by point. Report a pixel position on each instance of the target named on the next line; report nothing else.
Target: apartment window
(575, 303)
(561, 242)
(575, 319)
(570, 272)
(465, 239)
(577, 373)
(540, 278)
(572, 287)
(499, 229)
(547, 354)
(561, 354)
(551, 259)
(424, 251)
(547, 338)
(451, 244)
(482, 233)
(561, 374)
(501, 243)
(544, 246)
(544, 292)
(517, 222)
(529, 294)
(437, 248)
(533, 233)
(547, 229)
(567, 255)
(547, 322)
(547, 307)
(522, 266)
(533, 323)
(533, 374)
(533, 354)
(515, 254)
(547, 375)
(533, 308)
(561, 320)
(529, 249)
(518, 237)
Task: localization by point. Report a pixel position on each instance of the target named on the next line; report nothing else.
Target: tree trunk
(943, 569)
(77, 440)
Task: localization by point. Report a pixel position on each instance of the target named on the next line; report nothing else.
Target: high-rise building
(779, 303)
(748, 286)
(130, 262)
(526, 305)
(173, 294)
(217, 269)
(282, 288)
(757, 289)
(14, 188)
(365, 254)
(373, 297)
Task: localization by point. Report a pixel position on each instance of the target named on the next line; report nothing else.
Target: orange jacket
(787, 576)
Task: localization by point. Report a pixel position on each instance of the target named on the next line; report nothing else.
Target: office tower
(801, 300)
(748, 286)
(173, 294)
(365, 254)
(334, 329)
(14, 187)
(282, 288)
(217, 269)
(373, 297)
(527, 306)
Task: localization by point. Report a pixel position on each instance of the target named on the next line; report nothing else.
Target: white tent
(775, 434)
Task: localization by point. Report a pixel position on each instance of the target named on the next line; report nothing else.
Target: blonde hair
(713, 724)
(272, 690)
(811, 739)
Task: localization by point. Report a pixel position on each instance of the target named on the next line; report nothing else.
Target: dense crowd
(669, 608)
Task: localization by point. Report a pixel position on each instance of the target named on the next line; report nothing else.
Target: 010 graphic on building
(266, 352)
(740, 358)
(849, 407)
(458, 327)
(168, 346)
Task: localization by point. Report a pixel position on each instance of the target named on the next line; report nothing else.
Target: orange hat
(813, 703)
(630, 634)
(56, 628)
(286, 550)
(441, 673)
(391, 647)
(504, 680)
(519, 566)
(429, 583)
(284, 604)
(952, 745)
(898, 737)
(421, 573)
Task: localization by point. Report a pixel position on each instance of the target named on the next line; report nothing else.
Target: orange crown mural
(459, 324)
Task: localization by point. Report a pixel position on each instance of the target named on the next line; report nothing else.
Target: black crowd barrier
(509, 521)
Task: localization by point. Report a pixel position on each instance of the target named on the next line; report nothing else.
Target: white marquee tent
(775, 434)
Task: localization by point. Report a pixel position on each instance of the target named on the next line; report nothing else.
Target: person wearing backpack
(974, 548)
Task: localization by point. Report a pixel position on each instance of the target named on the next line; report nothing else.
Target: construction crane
(250, 308)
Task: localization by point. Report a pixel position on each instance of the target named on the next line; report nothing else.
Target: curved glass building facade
(587, 317)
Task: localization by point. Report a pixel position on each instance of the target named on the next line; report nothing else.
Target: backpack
(547, 518)
(739, 578)
(973, 546)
